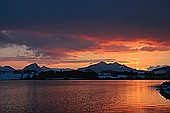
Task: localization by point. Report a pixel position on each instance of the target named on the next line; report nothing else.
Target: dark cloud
(50, 44)
(46, 41)
(118, 48)
(86, 16)
(55, 27)
(150, 49)
(103, 19)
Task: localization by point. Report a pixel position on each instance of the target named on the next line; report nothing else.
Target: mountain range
(98, 67)
(37, 68)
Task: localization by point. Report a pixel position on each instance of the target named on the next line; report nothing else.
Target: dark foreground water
(81, 96)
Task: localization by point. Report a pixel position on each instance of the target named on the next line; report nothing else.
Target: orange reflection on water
(82, 96)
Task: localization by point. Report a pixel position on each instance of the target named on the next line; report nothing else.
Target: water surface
(82, 96)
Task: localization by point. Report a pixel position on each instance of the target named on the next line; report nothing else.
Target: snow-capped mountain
(162, 70)
(102, 66)
(7, 68)
(33, 66)
(155, 67)
(37, 68)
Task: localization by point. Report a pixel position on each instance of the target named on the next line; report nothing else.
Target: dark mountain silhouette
(161, 70)
(156, 67)
(31, 67)
(44, 68)
(102, 66)
(7, 68)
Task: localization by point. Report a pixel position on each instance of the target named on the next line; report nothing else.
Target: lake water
(82, 96)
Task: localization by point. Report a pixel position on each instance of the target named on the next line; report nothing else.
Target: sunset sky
(77, 33)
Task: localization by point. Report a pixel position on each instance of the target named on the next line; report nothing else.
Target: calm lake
(82, 96)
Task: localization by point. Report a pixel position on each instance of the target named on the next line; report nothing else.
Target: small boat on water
(164, 89)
